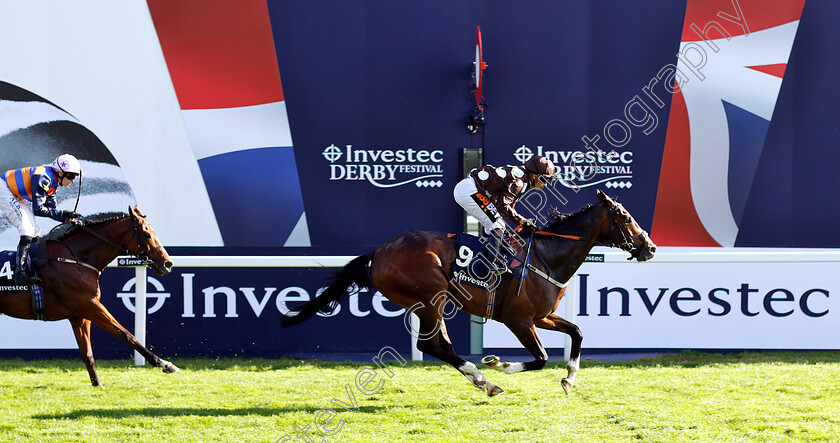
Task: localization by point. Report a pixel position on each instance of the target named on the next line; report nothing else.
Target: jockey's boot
(21, 273)
(497, 250)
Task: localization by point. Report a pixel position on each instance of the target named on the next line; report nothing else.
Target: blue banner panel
(237, 311)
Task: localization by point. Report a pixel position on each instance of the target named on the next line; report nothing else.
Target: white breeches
(463, 195)
(18, 212)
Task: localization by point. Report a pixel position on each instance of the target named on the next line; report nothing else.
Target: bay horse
(414, 270)
(70, 278)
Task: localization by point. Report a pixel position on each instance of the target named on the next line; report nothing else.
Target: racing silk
(36, 184)
(504, 186)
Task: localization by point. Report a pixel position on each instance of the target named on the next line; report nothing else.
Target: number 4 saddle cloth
(8, 265)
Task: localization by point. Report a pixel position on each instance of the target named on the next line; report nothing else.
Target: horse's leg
(433, 340)
(100, 316)
(81, 329)
(527, 335)
(556, 323)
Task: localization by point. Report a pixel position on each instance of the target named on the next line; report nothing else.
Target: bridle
(142, 255)
(627, 243)
(627, 239)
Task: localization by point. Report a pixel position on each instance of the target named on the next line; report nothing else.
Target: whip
(80, 192)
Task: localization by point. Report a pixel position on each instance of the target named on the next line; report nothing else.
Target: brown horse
(71, 279)
(414, 270)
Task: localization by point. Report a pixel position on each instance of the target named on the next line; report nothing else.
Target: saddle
(474, 261)
(8, 260)
(8, 264)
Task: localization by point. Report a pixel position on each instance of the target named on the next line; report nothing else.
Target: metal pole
(140, 312)
(416, 355)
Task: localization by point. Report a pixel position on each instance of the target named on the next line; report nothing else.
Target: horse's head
(148, 245)
(625, 232)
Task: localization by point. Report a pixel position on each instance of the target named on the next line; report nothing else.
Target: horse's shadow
(201, 412)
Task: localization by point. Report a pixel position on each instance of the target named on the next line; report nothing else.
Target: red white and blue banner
(221, 58)
(729, 72)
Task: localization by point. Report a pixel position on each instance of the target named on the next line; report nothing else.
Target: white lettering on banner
(285, 295)
(354, 307)
(581, 169)
(257, 305)
(188, 295)
(377, 301)
(687, 302)
(209, 300)
(360, 303)
(699, 305)
(386, 168)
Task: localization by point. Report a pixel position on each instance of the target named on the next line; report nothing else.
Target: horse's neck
(91, 249)
(563, 262)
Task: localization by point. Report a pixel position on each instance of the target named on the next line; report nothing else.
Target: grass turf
(682, 397)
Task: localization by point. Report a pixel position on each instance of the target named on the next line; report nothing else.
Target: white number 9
(465, 256)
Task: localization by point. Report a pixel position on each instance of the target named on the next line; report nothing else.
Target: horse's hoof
(491, 360)
(567, 387)
(495, 391)
(169, 368)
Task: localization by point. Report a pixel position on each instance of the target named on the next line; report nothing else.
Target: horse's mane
(560, 218)
(66, 229)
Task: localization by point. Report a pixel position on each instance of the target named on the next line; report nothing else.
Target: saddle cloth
(474, 262)
(8, 264)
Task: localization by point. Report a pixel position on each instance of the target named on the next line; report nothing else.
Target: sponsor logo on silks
(486, 206)
(585, 168)
(386, 168)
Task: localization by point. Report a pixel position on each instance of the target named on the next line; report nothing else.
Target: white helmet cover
(67, 163)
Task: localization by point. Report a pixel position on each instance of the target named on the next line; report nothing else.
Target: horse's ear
(136, 211)
(605, 198)
(601, 196)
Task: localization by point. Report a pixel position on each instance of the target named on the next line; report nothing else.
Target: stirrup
(501, 269)
(511, 272)
(516, 271)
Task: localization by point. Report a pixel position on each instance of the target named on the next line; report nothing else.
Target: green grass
(683, 397)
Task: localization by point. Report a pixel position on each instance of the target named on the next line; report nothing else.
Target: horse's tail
(354, 272)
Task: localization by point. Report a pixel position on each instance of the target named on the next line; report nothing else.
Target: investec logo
(386, 168)
(581, 169)
(230, 302)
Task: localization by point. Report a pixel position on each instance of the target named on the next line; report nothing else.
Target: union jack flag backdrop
(730, 71)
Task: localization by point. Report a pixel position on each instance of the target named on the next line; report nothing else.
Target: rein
(570, 237)
(144, 256)
(626, 245)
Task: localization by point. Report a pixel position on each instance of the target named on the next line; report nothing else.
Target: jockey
(489, 193)
(28, 192)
